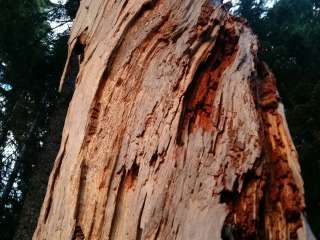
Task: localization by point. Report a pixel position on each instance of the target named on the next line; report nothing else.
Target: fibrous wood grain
(175, 130)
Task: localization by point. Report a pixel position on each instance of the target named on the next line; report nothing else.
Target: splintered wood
(175, 131)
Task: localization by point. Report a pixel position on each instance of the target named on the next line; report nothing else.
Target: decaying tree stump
(175, 131)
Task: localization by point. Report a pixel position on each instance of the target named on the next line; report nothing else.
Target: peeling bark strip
(175, 131)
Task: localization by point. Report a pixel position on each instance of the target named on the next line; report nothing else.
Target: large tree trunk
(175, 131)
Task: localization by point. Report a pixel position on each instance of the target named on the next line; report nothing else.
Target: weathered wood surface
(175, 131)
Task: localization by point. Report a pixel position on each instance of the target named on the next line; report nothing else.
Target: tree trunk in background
(41, 171)
(175, 131)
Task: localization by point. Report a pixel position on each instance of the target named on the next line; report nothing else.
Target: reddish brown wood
(175, 131)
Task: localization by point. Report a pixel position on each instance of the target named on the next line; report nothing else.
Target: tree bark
(175, 131)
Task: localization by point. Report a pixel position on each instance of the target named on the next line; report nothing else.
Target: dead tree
(175, 131)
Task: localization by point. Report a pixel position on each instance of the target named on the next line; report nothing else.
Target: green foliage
(22, 43)
(289, 33)
(252, 10)
(71, 8)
